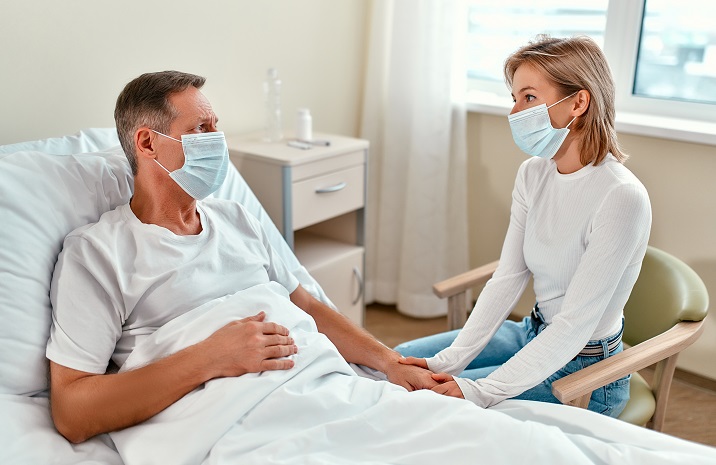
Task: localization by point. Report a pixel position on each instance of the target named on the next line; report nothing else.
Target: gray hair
(144, 101)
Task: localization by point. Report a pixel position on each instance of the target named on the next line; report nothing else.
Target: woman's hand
(446, 383)
(410, 376)
(447, 386)
(422, 377)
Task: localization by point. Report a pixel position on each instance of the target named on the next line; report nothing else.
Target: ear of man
(144, 143)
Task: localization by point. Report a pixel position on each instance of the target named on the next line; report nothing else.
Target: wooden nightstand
(316, 198)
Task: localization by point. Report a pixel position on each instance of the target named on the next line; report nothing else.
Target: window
(677, 52)
(496, 29)
(662, 53)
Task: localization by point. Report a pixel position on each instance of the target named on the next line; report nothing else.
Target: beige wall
(680, 180)
(63, 63)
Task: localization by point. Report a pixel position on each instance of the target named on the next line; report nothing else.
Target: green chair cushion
(667, 291)
(641, 405)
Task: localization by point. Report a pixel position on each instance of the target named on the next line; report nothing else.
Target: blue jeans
(510, 338)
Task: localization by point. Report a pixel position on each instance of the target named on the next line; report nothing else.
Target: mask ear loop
(168, 137)
(157, 162)
(555, 103)
(560, 101)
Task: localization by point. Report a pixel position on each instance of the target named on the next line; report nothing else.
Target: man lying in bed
(163, 254)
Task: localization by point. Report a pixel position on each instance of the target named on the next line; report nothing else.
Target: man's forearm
(354, 343)
(84, 405)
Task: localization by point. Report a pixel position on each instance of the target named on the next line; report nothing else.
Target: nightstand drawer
(327, 165)
(322, 197)
(338, 269)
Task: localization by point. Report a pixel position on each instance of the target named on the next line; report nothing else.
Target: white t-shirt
(583, 237)
(119, 280)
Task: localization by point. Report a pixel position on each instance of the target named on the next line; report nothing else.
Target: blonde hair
(575, 64)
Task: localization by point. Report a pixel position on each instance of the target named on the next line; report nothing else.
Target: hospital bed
(50, 187)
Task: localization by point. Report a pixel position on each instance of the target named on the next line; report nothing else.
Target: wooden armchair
(455, 290)
(663, 316)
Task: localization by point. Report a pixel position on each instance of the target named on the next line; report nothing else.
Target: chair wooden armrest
(576, 389)
(455, 289)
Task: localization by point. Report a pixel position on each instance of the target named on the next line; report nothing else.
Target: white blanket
(321, 412)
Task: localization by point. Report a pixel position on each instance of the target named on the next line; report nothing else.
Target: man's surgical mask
(533, 132)
(206, 163)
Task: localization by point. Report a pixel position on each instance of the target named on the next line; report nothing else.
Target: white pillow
(85, 141)
(43, 198)
(28, 436)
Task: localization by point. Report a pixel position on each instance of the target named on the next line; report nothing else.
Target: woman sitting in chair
(579, 225)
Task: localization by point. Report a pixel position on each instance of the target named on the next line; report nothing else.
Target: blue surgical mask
(206, 163)
(533, 132)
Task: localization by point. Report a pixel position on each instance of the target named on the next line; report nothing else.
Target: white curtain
(414, 117)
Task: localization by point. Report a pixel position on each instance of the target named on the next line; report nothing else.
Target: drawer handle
(335, 188)
(359, 278)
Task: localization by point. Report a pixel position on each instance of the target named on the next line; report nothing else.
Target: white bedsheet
(321, 412)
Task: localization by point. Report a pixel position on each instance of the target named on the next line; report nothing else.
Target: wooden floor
(691, 412)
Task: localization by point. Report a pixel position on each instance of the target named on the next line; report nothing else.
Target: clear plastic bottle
(304, 123)
(272, 94)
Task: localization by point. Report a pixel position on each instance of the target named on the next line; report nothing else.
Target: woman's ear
(581, 103)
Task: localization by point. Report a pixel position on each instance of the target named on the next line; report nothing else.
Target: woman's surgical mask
(533, 132)
(206, 163)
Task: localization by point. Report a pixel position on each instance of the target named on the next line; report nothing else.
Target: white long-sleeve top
(583, 237)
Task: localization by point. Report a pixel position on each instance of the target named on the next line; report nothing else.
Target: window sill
(679, 129)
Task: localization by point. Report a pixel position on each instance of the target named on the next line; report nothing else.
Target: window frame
(671, 119)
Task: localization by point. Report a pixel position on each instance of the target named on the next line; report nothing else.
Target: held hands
(447, 386)
(249, 345)
(411, 377)
(442, 383)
